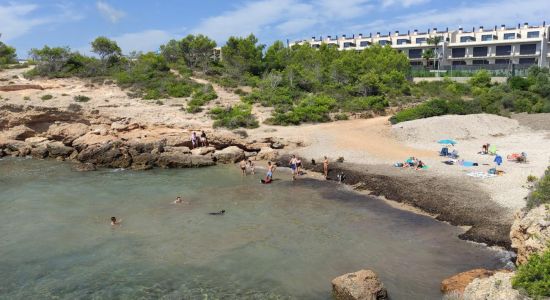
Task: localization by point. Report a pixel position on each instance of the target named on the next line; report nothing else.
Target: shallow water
(280, 241)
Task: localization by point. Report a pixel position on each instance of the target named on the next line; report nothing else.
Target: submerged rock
(361, 285)
(530, 232)
(85, 167)
(496, 287)
(56, 149)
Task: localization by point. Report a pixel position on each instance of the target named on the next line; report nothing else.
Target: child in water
(178, 200)
(114, 221)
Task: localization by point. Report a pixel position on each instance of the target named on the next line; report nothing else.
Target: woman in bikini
(294, 166)
(325, 167)
(243, 166)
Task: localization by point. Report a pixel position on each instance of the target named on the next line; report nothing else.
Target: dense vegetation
(302, 84)
(7, 55)
(518, 94)
(541, 193)
(534, 276)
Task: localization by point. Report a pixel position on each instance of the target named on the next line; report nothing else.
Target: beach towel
(481, 175)
(493, 150)
(469, 164)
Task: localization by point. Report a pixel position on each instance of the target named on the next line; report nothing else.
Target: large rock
(530, 232)
(143, 161)
(56, 149)
(182, 160)
(230, 154)
(40, 151)
(19, 133)
(178, 141)
(203, 150)
(457, 283)
(33, 141)
(106, 155)
(67, 132)
(496, 287)
(267, 153)
(361, 285)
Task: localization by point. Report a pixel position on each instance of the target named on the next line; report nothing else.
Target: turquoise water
(280, 241)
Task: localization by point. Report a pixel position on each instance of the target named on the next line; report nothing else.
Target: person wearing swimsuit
(325, 167)
(243, 166)
(293, 166)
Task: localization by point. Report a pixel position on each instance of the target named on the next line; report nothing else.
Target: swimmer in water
(221, 212)
(178, 200)
(114, 221)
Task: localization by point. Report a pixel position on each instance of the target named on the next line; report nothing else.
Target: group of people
(246, 165)
(414, 163)
(198, 141)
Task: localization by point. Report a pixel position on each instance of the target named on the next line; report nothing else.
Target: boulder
(177, 141)
(184, 150)
(530, 232)
(56, 149)
(119, 126)
(361, 285)
(67, 132)
(277, 145)
(201, 161)
(182, 160)
(496, 287)
(203, 150)
(135, 148)
(19, 133)
(230, 154)
(33, 141)
(40, 151)
(143, 161)
(84, 167)
(267, 153)
(249, 154)
(106, 155)
(457, 283)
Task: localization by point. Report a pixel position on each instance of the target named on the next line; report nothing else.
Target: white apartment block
(522, 45)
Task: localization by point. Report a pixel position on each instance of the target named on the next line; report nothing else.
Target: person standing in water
(270, 169)
(252, 167)
(293, 166)
(243, 166)
(299, 166)
(325, 167)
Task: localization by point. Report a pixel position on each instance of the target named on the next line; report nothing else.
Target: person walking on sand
(193, 140)
(293, 166)
(325, 167)
(204, 141)
(243, 166)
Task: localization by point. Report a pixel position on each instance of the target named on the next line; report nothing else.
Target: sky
(143, 25)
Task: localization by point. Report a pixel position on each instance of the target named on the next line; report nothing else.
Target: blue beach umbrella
(447, 142)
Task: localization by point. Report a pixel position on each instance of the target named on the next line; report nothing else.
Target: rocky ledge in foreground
(95, 141)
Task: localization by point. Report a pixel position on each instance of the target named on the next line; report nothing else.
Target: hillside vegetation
(301, 84)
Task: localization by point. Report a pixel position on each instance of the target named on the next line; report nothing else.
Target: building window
(416, 63)
(527, 49)
(420, 40)
(503, 50)
(533, 34)
(465, 39)
(480, 62)
(333, 45)
(364, 43)
(403, 41)
(527, 61)
(486, 37)
(509, 36)
(459, 63)
(348, 45)
(415, 53)
(480, 51)
(459, 52)
(383, 42)
(316, 46)
(502, 61)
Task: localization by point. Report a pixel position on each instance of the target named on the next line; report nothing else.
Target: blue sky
(145, 24)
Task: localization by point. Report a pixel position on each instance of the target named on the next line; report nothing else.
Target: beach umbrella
(447, 142)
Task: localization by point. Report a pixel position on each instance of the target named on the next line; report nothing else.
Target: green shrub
(81, 98)
(376, 103)
(518, 83)
(46, 97)
(310, 109)
(340, 117)
(26, 98)
(534, 276)
(234, 116)
(200, 97)
(541, 193)
(531, 178)
(481, 79)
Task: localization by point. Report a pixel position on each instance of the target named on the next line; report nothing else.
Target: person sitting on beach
(485, 149)
(243, 166)
(193, 140)
(114, 221)
(420, 165)
(410, 163)
(252, 167)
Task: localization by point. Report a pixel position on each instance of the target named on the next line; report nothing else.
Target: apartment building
(522, 45)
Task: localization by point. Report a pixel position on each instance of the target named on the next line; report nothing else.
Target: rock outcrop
(496, 287)
(84, 167)
(361, 285)
(19, 133)
(231, 154)
(457, 283)
(267, 153)
(530, 232)
(67, 132)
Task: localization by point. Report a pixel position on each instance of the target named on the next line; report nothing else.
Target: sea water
(285, 240)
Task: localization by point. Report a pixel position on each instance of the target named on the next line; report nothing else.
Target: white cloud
(487, 14)
(109, 12)
(148, 40)
(404, 3)
(15, 20)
